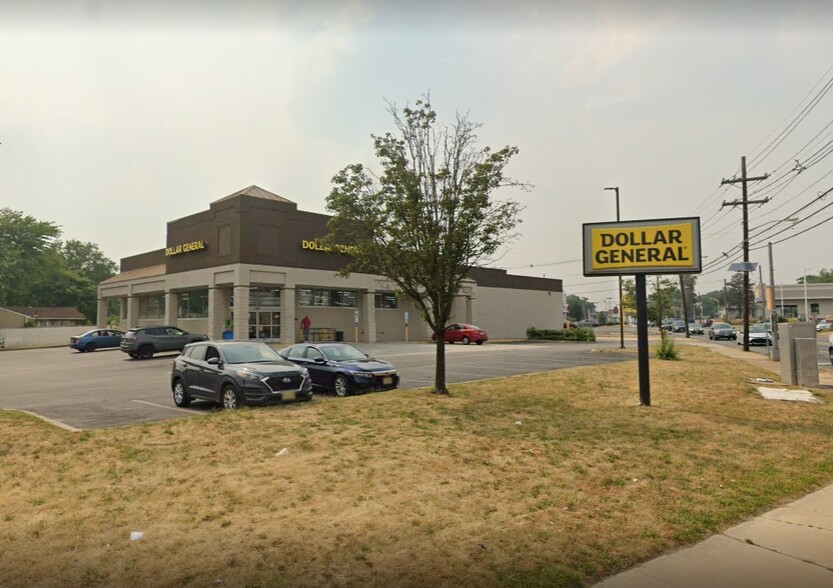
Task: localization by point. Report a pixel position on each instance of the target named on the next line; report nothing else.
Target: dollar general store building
(249, 267)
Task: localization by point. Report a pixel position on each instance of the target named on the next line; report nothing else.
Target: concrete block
(806, 362)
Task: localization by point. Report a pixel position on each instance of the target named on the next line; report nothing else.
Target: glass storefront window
(305, 297)
(325, 297)
(385, 300)
(343, 298)
(264, 297)
(192, 304)
(151, 307)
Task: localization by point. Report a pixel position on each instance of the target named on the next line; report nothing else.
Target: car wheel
(342, 386)
(145, 352)
(480, 342)
(466, 340)
(230, 399)
(89, 347)
(134, 356)
(181, 397)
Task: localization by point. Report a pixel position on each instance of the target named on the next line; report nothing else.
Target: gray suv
(143, 342)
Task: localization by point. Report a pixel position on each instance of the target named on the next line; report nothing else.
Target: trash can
(228, 335)
(339, 335)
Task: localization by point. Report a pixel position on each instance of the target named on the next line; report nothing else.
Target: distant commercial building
(794, 301)
(250, 267)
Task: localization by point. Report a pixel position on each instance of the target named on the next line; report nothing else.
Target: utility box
(790, 359)
(807, 366)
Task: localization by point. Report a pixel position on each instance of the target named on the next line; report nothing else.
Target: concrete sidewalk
(788, 546)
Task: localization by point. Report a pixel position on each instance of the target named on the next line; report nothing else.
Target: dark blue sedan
(341, 368)
(96, 339)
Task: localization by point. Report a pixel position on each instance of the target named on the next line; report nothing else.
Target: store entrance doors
(265, 325)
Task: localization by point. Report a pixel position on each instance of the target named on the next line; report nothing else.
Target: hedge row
(560, 334)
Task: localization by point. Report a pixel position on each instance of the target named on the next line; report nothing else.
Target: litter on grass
(785, 394)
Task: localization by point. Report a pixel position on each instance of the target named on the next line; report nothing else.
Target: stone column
(101, 313)
(368, 316)
(132, 311)
(290, 328)
(241, 312)
(217, 312)
(171, 299)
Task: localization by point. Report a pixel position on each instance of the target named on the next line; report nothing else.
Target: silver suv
(143, 342)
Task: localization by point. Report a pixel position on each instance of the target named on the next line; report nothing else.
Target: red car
(465, 333)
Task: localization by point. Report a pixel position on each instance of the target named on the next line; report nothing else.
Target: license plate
(387, 381)
(288, 395)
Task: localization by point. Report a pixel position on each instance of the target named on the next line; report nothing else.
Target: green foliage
(825, 276)
(36, 269)
(430, 216)
(579, 308)
(25, 244)
(661, 299)
(666, 348)
(560, 334)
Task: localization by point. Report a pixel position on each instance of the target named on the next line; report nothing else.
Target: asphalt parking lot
(108, 389)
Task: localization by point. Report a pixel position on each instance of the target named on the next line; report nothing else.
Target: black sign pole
(642, 340)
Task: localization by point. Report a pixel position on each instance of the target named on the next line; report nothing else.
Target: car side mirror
(319, 360)
(213, 361)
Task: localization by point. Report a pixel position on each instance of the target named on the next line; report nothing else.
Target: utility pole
(685, 306)
(773, 315)
(745, 204)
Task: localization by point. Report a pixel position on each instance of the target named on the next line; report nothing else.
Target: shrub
(560, 334)
(666, 349)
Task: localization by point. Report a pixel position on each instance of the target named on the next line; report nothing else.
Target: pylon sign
(654, 246)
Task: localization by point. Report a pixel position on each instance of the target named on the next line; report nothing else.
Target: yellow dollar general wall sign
(666, 246)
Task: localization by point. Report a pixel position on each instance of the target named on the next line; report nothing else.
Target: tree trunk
(439, 374)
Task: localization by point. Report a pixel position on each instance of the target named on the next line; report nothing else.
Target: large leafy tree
(26, 248)
(36, 269)
(661, 299)
(579, 308)
(430, 216)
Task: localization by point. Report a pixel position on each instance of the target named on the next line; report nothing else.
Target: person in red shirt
(305, 325)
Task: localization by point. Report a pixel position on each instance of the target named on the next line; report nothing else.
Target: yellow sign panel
(185, 248)
(316, 246)
(670, 246)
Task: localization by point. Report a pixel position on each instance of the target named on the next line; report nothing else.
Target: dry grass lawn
(555, 479)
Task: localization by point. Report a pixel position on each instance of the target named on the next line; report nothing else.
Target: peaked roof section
(257, 192)
(143, 272)
(47, 312)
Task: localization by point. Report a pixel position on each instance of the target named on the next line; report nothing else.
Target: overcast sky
(116, 117)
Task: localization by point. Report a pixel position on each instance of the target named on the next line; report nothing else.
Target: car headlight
(363, 374)
(248, 375)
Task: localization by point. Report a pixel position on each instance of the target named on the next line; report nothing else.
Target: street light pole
(621, 313)
(806, 306)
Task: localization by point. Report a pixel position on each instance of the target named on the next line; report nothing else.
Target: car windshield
(250, 353)
(721, 326)
(342, 353)
(757, 329)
